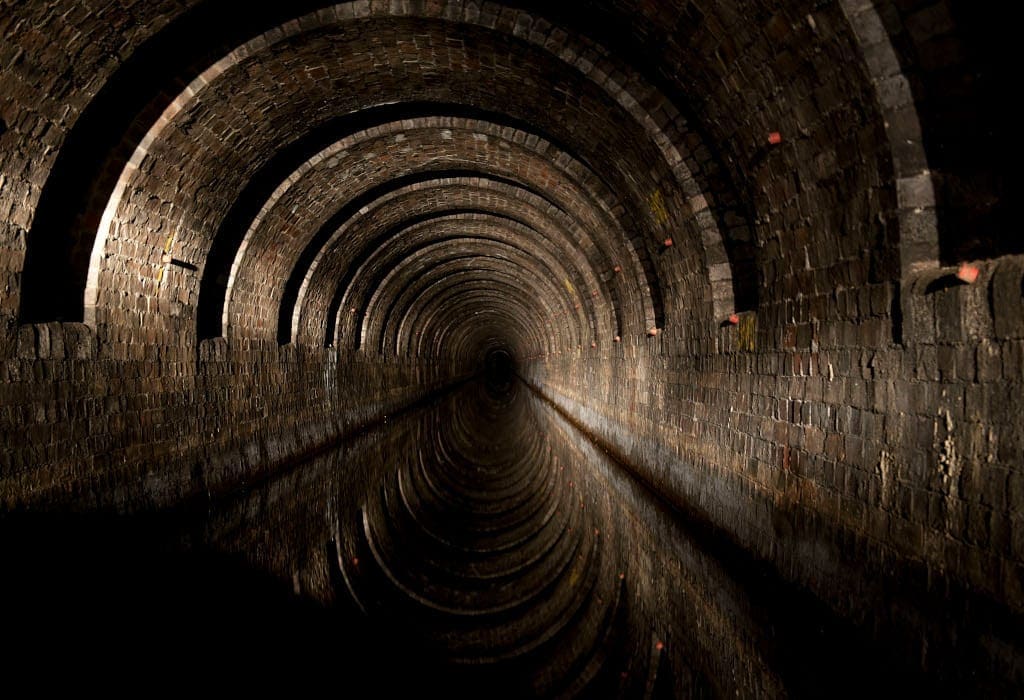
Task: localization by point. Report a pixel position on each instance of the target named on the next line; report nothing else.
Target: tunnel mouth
(499, 372)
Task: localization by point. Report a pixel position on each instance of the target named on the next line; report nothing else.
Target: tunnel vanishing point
(450, 348)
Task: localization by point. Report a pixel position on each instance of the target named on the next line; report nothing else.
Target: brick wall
(84, 431)
(874, 474)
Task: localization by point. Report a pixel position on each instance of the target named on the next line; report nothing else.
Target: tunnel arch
(527, 333)
(426, 253)
(284, 334)
(407, 221)
(770, 430)
(489, 226)
(915, 191)
(435, 196)
(481, 264)
(457, 281)
(468, 119)
(624, 99)
(289, 165)
(647, 69)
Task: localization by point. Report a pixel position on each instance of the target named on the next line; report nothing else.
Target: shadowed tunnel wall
(759, 253)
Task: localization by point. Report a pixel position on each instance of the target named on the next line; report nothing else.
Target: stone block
(1008, 297)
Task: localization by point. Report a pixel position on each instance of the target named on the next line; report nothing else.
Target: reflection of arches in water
(476, 549)
(305, 564)
(432, 524)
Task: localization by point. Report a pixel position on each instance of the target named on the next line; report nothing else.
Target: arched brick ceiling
(458, 196)
(282, 224)
(300, 197)
(396, 307)
(426, 235)
(507, 245)
(246, 207)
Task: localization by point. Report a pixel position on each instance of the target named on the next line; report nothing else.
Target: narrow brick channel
(511, 348)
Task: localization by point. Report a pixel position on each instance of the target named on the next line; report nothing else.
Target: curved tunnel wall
(714, 237)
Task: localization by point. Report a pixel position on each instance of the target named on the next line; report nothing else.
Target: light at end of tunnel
(967, 273)
(775, 138)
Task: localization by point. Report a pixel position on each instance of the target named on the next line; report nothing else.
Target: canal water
(476, 545)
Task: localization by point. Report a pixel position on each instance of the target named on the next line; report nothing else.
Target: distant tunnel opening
(499, 371)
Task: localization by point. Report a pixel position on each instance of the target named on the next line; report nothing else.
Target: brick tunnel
(612, 348)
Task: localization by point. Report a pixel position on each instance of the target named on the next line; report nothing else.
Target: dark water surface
(476, 546)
